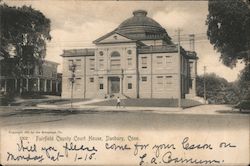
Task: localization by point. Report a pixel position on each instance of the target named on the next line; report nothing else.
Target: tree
(218, 89)
(243, 83)
(23, 35)
(229, 29)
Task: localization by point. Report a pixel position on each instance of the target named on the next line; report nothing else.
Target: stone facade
(130, 64)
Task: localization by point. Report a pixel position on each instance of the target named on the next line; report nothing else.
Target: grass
(149, 103)
(6, 100)
(63, 101)
(33, 100)
(40, 99)
(243, 105)
(47, 101)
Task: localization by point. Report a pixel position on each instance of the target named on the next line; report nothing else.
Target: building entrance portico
(114, 85)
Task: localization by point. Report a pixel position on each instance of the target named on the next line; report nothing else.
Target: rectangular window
(168, 59)
(100, 83)
(91, 79)
(191, 66)
(101, 63)
(78, 84)
(144, 79)
(144, 62)
(54, 74)
(92, 64)
(70, 63)
(101, 86)
(129, 62)
(78, 62)
(159, 61)
(115, 64)
(159, 79)
(78, 65)
(159, 82)
(168, 80)
(129, 85)
(129, 81)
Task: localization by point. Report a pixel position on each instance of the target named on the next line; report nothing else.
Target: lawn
(243, 105)
(185, 103)
(33, 100)
(63, 101)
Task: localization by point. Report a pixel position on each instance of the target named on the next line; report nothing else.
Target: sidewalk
(201, 109)
(82, 103)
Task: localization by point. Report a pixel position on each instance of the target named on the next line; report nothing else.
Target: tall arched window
(115, 60)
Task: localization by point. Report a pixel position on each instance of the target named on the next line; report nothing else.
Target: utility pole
(72, 68)
(179, 68)
(122, 77)
(204, 86)
(192, 42)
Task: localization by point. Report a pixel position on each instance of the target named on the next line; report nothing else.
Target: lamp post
(72, 68)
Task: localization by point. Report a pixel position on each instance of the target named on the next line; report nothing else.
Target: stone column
(45, 85)
(38, 84)
(51, 84)
(56, 86)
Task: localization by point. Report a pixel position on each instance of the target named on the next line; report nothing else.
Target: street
(198, 118)
(217, 125)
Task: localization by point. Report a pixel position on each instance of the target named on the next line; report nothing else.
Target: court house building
(135, 60)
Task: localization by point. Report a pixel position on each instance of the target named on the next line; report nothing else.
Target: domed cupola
(141, 27)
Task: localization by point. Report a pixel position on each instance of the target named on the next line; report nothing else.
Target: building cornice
(78, 52)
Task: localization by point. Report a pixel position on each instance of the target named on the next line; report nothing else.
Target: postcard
(124, 82)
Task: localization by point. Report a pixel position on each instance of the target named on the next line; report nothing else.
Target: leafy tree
(243, 84)
(218, 90)
(229, 29)
(23, 35)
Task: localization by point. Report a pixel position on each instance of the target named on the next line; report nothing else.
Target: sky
(76, 23)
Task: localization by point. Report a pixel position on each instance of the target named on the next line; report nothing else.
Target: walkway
(201, 109)
(82, 103)
(76, 104)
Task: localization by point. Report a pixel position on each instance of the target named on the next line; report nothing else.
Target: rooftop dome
(140, 27)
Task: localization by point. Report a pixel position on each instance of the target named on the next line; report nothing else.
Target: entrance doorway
(114, 83)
